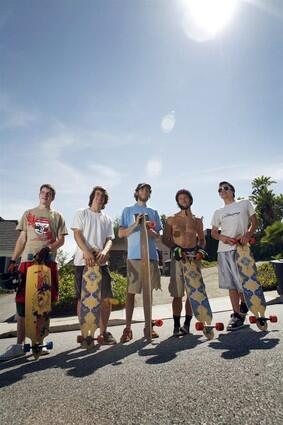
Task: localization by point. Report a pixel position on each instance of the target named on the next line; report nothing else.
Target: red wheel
(252, 241)
(199, 326)
(252, 319)
(80, 339)
(150, 224)
(158, 322)
(273, 319)
(100, 339)
(199, 256)
(219, 326)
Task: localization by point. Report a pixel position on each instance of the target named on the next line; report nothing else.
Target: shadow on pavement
(167, 350)
(80, 362)
(240, 343)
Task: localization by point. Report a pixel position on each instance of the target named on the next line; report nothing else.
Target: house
(8, 238)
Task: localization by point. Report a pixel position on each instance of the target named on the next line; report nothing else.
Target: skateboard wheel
(199, 326)
(49, 345)
(219, 326)
(199, 256)
(158, 322)
(100, 339)
(80, 339)
(27, 348)
(273, 319)
(252, 319)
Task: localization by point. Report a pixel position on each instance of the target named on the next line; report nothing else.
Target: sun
(205, 18)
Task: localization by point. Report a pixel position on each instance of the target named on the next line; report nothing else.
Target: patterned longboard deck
(37, 305)
(252, 289)
(196, 291)
(90, 301)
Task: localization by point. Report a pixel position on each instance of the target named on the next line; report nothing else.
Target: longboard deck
(37, 306)
(90, 303)
(197, 294)
(252, 289)
(146, 280)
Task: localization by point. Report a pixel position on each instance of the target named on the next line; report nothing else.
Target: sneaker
(236, 322)
(185, 330)
(126, 336)
(153, 333)
(176, 331)
(12, 352)
(44, 352)
(107, 339)
(243, 309)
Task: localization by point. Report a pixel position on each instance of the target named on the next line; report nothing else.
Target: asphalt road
(234, 379)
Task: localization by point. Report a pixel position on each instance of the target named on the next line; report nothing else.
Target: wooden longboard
(146, 280)
(197, 295)
(37, 307)
(252, 289)
(90, 305)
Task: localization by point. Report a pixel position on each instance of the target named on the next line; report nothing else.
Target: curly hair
(92, 195)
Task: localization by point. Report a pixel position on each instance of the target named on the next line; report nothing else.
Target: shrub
(266, 276)
(119, 287)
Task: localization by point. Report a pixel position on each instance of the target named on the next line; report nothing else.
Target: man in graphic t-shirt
(93, 230)
(42, 232)
(236, 218)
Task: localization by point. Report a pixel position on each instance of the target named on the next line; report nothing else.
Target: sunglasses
(226, 188)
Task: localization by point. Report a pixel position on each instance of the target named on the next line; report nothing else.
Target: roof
(8, 236)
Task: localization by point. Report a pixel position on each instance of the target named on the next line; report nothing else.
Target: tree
(268, 206)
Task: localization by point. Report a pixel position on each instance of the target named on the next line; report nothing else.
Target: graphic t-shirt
(42, 227)
(95, 228)
(233, 220)
(127, 219)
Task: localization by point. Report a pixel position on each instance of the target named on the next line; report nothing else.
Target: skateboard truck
(208, 329)
(262, 320)
(36, 348)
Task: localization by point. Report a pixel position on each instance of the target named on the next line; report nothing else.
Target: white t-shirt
(95, 227)
(233, 220)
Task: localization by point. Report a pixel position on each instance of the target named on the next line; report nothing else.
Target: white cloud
(153, 168)
(13, 116)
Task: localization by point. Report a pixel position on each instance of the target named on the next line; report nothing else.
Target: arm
(81, 242)
(220, 237)
(103, 255)
(252, 228)
(200, 234)
(124, 232)
(57, 244)
(167, 235)
(20, 245)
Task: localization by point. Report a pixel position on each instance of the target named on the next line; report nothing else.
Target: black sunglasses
(226, 188)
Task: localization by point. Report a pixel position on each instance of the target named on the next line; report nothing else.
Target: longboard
(89, 314)
(197, 295)
(146, 280)
(37, 308)
(252, 289)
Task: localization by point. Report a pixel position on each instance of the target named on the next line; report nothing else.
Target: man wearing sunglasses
(234, 219)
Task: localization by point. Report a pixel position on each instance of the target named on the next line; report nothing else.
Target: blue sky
(117, 92)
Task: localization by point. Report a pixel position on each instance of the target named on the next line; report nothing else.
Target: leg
(105, 310)
(235, 298)
(130, 303)
(20, 329)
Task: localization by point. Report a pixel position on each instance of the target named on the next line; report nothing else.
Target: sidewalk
(161, 311)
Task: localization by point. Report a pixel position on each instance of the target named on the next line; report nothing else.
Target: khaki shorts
(177, 282)
(134, 276)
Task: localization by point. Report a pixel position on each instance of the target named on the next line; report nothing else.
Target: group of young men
(43, 231)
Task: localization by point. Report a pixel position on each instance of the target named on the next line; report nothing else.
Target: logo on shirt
(230, 214)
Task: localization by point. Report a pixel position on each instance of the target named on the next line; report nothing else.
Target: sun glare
(205, 18)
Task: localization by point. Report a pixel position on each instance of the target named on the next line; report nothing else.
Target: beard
(183, 207)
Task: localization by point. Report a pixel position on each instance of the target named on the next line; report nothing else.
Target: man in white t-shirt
(234, 219)
(93, 229)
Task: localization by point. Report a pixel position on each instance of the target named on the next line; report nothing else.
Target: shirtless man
(183, 230)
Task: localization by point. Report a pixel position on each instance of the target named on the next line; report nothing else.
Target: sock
(176, 321)
(187, 320)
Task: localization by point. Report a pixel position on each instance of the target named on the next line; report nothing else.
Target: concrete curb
(164, 312)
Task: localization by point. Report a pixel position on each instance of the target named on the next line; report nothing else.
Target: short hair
(51, 188)
(92, 195)
(230, 185)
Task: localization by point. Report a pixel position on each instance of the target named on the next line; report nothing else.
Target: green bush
(119, 287)
(267, 277)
